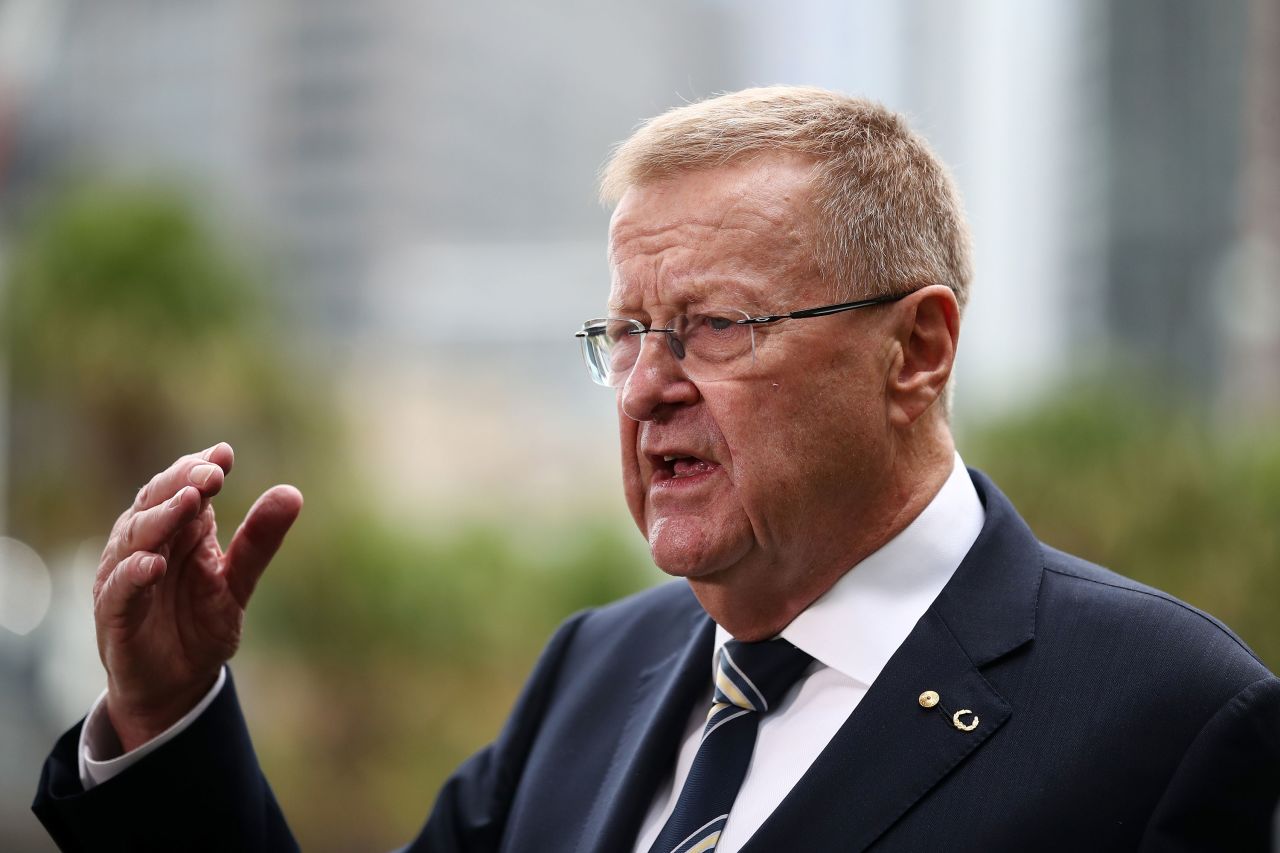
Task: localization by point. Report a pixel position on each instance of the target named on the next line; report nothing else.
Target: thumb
(123, 601)
(258, 539)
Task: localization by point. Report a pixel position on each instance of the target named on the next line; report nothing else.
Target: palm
(188, 628)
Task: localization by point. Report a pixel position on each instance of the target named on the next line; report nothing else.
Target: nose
(657, 382)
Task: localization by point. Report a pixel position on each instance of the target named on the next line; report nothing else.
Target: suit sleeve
(204, 790)
(1224, 794)
(470, 813)
(201, 791)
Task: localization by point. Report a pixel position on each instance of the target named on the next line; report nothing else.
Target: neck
(758, 598)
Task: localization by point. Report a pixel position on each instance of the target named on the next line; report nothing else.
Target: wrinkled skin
(818, 455)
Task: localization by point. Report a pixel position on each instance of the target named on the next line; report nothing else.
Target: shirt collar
(857, 625)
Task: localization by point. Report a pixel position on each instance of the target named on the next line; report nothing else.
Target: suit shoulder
(660, 619)
(1144, 614)
(668, 604)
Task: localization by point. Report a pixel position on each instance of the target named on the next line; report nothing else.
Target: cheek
(633, 485)
(795, 439)
(755, 437)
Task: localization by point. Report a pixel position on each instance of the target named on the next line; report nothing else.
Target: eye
(719, 321)
(617, 331)
(715, 324)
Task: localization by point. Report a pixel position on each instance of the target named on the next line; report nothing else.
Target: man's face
(773, 466)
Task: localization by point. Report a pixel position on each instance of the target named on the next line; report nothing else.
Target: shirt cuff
(98, 738)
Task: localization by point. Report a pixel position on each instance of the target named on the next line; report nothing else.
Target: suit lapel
(663, 696)
(892, 751)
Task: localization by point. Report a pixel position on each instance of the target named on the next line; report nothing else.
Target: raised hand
(167, 602)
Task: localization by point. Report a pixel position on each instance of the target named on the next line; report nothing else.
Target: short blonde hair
(890, 218)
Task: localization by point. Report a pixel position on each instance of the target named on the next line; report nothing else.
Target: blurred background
(354, 241)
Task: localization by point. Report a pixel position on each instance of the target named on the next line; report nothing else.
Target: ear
(927, 333)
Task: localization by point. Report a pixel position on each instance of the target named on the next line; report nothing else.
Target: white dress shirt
(851, 632)
(100, 757)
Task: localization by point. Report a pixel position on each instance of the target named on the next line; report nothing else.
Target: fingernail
(201, 473)
(176, 500)
(147, 564)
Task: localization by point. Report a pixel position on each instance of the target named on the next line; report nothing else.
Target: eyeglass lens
(709, 345)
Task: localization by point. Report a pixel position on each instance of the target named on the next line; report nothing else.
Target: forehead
(741, 232)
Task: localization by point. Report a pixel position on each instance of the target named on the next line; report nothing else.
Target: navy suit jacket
(1110, 717)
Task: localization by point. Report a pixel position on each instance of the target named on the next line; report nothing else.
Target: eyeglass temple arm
(824, 310)
(820, 311)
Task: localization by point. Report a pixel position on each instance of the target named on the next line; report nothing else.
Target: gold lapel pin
(931, 699)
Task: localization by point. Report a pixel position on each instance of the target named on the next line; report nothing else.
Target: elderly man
(868, 649)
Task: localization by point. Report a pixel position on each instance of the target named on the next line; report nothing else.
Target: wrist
(138, 721)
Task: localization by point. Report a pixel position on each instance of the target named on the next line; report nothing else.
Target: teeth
(670, 458)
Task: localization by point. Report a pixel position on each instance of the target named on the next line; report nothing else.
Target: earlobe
(927, 337)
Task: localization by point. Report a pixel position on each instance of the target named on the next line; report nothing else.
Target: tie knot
(756, 676)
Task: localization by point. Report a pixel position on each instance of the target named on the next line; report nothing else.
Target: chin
(684, 548)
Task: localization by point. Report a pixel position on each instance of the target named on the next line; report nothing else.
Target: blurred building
(419, 165)
(1251, 386)
(423, 172)
(1193, 284)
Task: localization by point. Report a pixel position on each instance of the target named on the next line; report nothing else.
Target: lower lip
(666, 481)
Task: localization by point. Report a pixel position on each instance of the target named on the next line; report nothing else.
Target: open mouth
(680, 467)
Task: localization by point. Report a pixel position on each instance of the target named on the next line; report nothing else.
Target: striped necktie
(752, 678)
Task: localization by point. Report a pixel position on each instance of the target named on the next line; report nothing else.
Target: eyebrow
(698, 293)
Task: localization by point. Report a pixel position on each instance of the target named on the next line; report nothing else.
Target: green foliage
(121, 283)
(387, 655)
(351, 587)
(134, 334)
(1152, 492)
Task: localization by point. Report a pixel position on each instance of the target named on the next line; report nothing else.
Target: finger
(205, 470)
(258, 539)
(152, 529)
(123, 601)
(200, 530)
